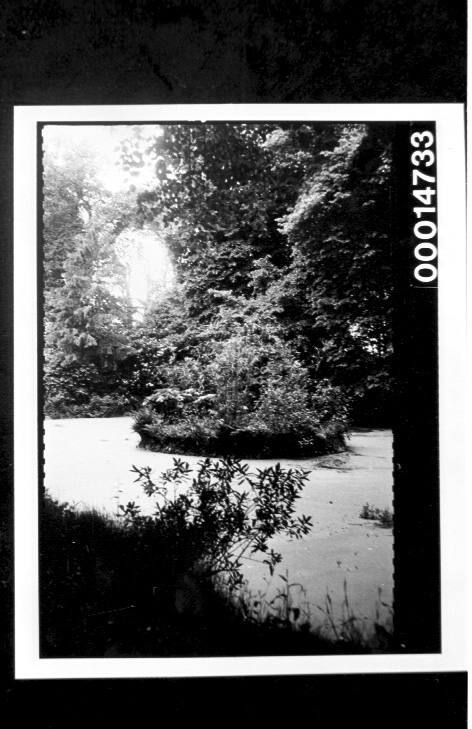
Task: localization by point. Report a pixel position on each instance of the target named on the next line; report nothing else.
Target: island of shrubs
(259, 407)
(189, 422)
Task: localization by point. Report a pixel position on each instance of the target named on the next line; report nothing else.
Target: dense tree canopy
(289, 223)
(279, 238)
(86, 303)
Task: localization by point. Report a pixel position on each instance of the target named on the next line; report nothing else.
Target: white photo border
(449, 120)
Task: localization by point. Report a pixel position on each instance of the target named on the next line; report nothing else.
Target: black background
(416, 424)
(172, 51)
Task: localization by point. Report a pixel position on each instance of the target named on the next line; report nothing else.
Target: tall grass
(335, 628)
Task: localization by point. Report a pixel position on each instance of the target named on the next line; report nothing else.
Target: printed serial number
(424, 191)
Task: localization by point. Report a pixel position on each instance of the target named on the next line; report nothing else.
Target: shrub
(103, 579)
(72, 382)
(173, 404)
(284, 402)
(331, 403)
(169, 402)
(383, 516)
(98, 406)
(190, 435)
(235, 376)
(207, 435)
(170, 584)
(79, 390)
(260, 405)
(257, 378)
(143, 418)
(224, 513)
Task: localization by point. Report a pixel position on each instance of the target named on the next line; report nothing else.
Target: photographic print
(223, 384)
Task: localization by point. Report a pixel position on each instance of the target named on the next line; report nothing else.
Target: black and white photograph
(217, 390)
(228, 392)
(233, 379)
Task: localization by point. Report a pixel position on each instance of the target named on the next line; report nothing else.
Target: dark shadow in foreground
(111, 591)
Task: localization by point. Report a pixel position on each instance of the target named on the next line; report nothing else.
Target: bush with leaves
(216, 517)
(383, 516)
(332, 404)
(96, 406)
(284, 402)
(257, 394)
(69, 384)
(235, 374)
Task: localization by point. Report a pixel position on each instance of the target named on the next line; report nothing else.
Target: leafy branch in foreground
(222, 514)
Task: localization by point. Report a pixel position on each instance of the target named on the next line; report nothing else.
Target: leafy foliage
(87, 310)
(222, 514)
(153, 584)
(289, 223)
(253, 398)
(279, 237)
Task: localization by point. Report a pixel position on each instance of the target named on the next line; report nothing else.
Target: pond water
(88, 462)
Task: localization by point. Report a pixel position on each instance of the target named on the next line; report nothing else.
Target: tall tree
(213, 195)
(339, 285)
(87, 307)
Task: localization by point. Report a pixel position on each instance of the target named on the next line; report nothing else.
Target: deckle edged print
(219, 382)
(216, 291)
